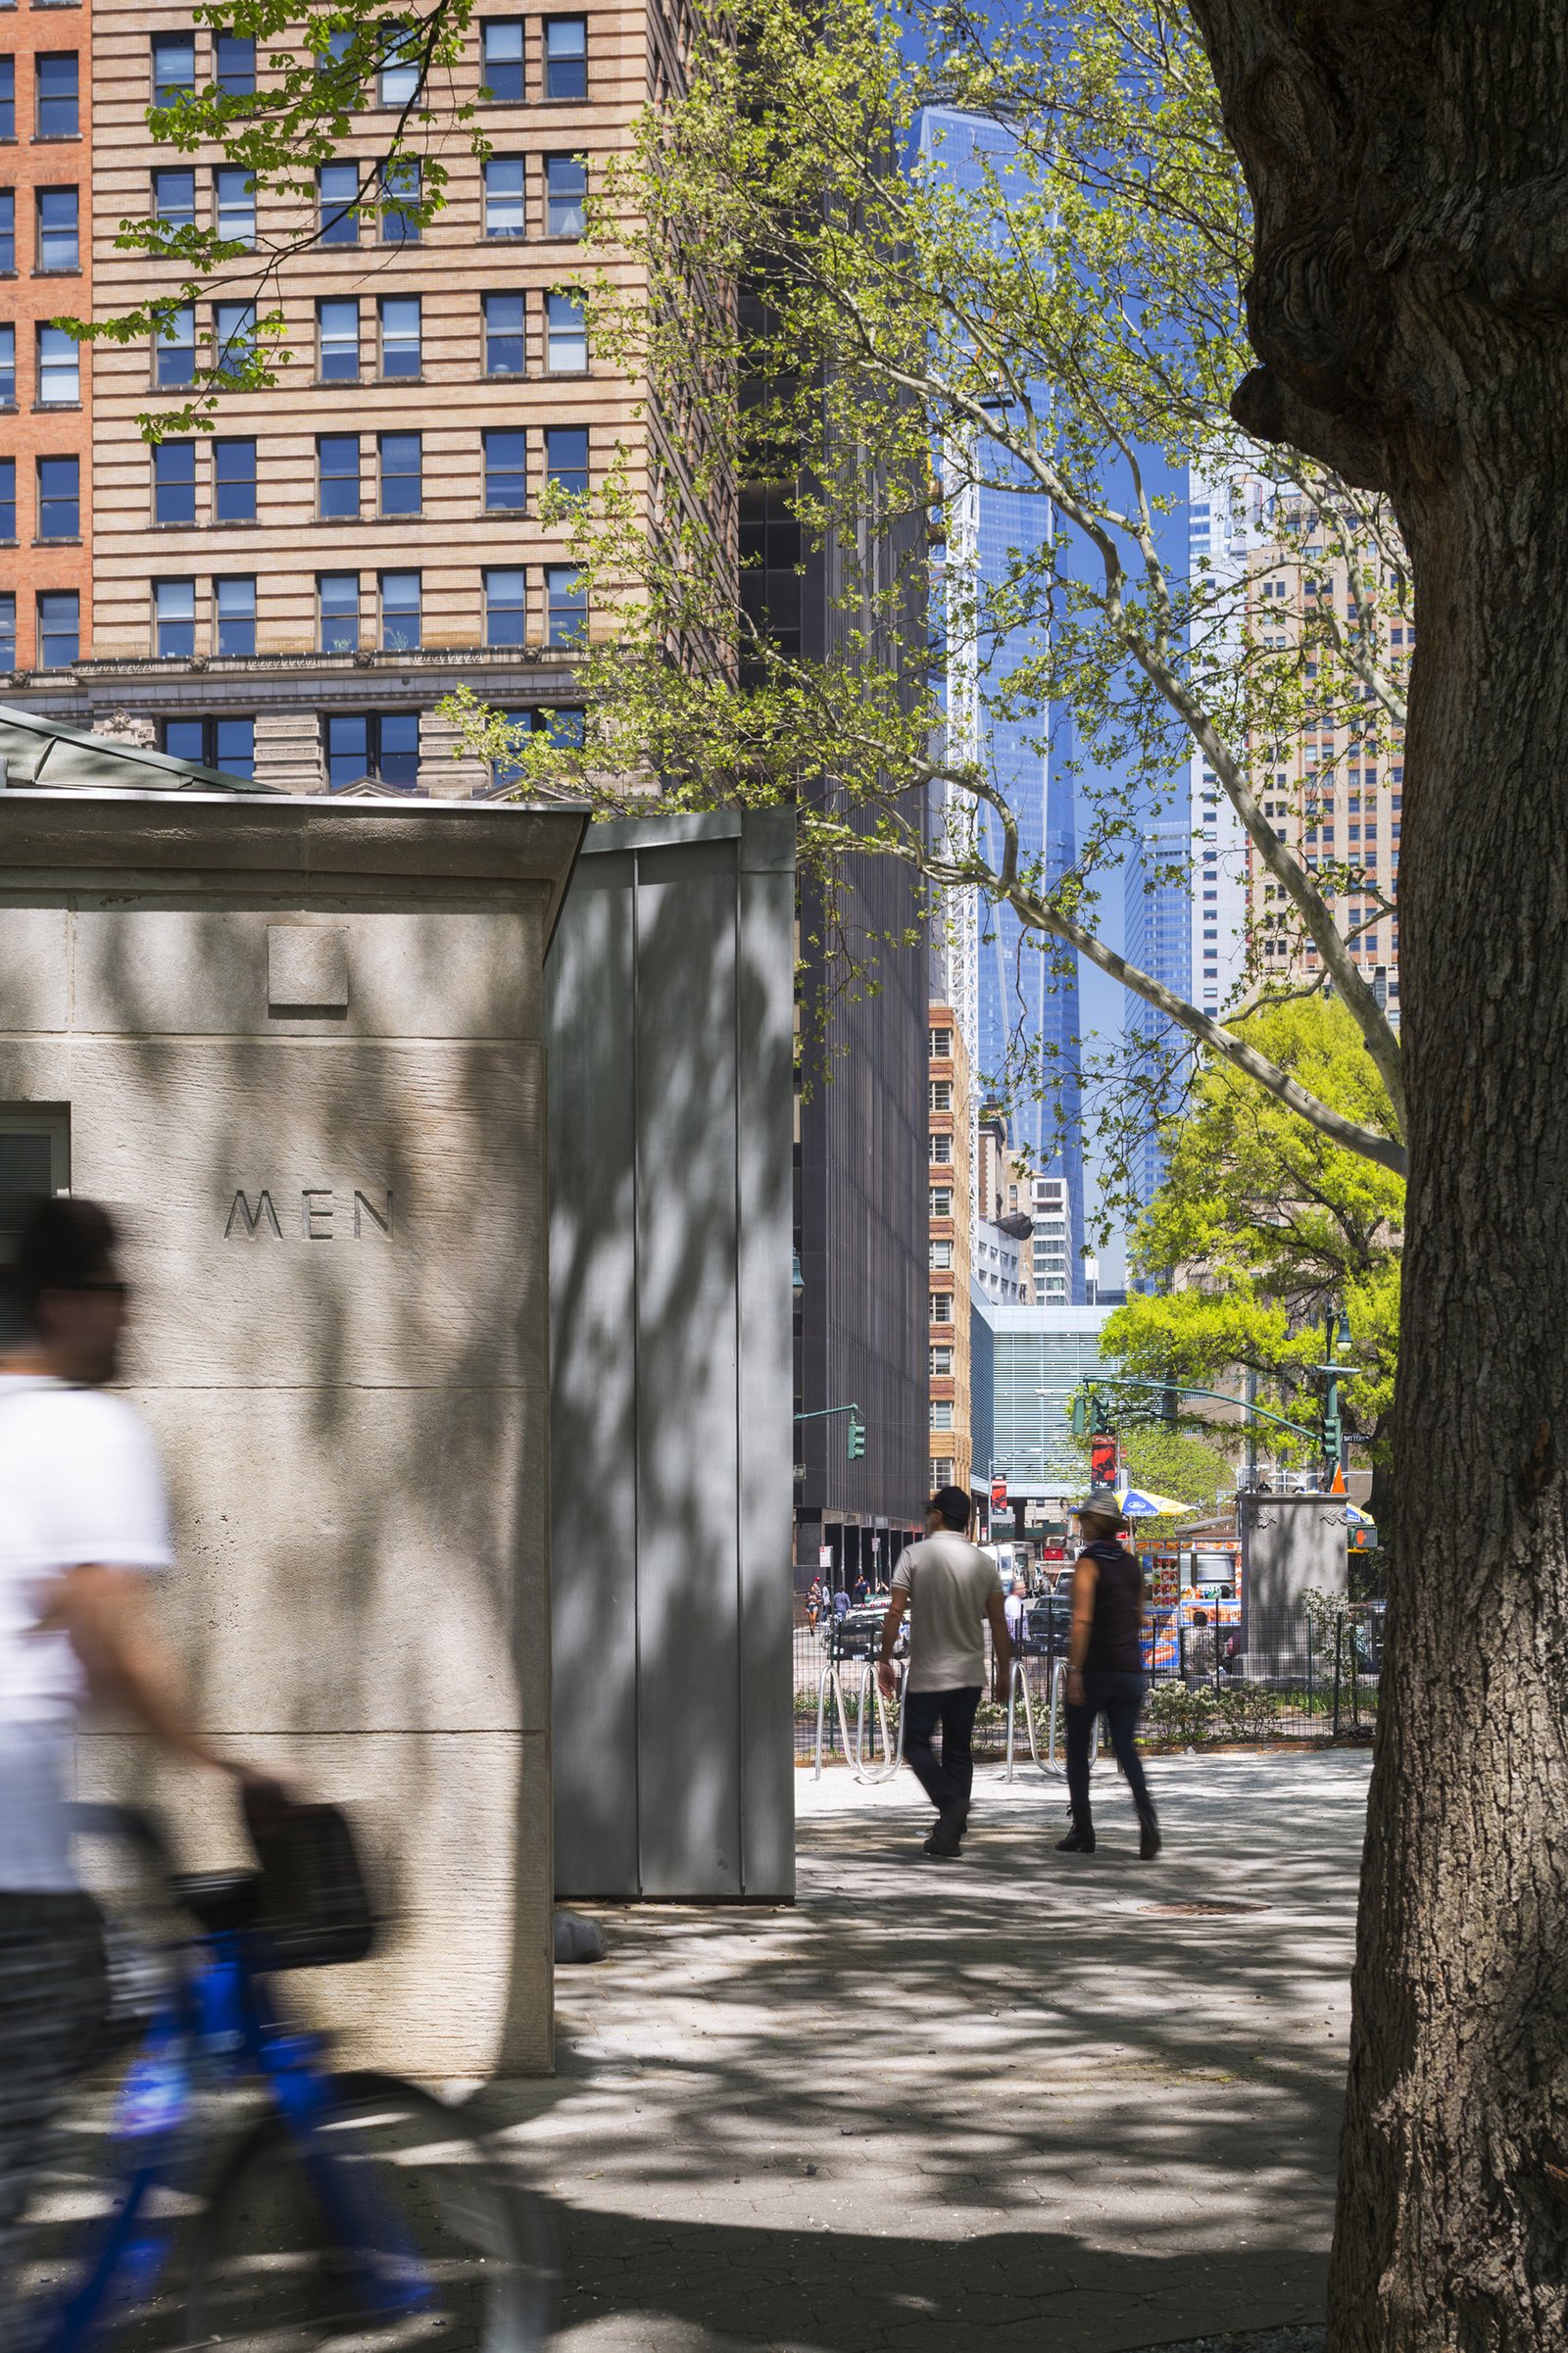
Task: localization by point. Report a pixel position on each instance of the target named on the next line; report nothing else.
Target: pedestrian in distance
(841, 1602)
(813, 1601)
(1017, 1602)
(861, 1589)
(1106, 1669)
(949, 1587)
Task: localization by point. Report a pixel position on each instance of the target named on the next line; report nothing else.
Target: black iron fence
(1283, 1675)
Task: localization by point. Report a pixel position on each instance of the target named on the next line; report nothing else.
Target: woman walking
(1106, 1669)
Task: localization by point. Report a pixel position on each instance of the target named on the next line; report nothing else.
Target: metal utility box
(670, 1020)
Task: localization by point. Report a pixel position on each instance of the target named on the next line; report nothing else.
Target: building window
(941, 1470)
(941, 1413)
(505, 353)
(505, 608)
(337, 599)
(400, 611)
(175, 199)
(8, 97)
(174, 67)
(234, 481)
(59, 628)
(506, 770)
(234, 615)
(226, 743)
(8, 232)
(338, 331)
(234, 65)
(941, 1256)
(942, 1094)
(566, 605)
(940, 1307)
(59, 370)
(59, 247)
(565, 336)
(174, 350)
(7, 633)
(57, 96)
(337, 188)
(337, 469)
(384, 744)
(400, 335)
(504, 197)
(400, 195)
(942, 1363)
(173, 619)
(567, 729)
(567, 457)
(402, 490)
(399, 78)
(8, 367)
(941, 1200)
(233, 336)
(942, 1149)
(565, 57)
(506, 472)
(941, 1044)
(58, 498)
(234, 206)
(8, 498)
(502, 49)
(566, 192)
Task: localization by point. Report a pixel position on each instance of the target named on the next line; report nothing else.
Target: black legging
(1119, 1698)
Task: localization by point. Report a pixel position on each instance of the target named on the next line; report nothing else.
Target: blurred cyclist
(84, 1530)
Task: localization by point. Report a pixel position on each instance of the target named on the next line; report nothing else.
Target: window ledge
(75, 268)
(55, 408)
(75, 541)
(57, 138)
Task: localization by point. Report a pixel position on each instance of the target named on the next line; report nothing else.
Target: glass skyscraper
(1022, 996)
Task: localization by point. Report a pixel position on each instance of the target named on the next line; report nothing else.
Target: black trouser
(52, 2005)
(1119, 1698)
(946, 1781)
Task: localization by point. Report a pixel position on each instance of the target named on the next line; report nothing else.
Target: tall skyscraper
(1157, 935)
(290, 595)
(1025, 1000)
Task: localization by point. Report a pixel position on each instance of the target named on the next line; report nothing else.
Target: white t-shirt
(949, 1582)
(79, 1482)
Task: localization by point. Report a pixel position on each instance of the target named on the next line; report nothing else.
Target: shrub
(1247, 1712)
(1174, 1713)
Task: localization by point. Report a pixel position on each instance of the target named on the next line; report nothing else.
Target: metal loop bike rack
(870, 1720)
(1018, 1687)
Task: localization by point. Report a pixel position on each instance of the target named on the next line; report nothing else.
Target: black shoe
(1148, 1839)
(950, 1829)
(1080, 1839)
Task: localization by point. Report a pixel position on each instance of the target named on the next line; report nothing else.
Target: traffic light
(854, 1441)
(1169, 1406)
(1333, 1436)
(1080, 1415)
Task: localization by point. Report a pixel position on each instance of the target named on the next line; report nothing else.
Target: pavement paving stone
(1027, 2093)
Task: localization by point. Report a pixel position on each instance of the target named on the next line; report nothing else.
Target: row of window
(384, 744)
(56, 96)
(343, 623)
(351, 198)
(400, 338)
(399, 479)
(501, 53)
(56, 236)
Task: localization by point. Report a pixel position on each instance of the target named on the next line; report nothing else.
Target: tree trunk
(1409, 166)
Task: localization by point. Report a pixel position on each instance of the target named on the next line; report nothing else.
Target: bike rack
(1019, 1687)
(871, 1714)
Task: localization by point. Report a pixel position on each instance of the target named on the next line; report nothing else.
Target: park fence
(1298, 1678)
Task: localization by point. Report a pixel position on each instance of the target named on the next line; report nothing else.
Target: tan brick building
(291, 595)
(951, 1227)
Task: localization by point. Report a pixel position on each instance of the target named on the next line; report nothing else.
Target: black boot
(1080, 1839)
(1148, 1839)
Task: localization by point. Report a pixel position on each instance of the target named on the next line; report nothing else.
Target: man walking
(949, 1589)
(84, 1536)
(1106, 1669)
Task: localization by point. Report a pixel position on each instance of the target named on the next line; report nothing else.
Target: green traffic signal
(1080, 1415)
(854, 1441)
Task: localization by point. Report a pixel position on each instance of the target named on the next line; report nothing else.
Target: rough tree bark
(1408, 160)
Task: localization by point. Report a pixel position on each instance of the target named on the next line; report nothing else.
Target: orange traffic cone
(1337, 1485)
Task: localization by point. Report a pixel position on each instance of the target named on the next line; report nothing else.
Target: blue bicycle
(353, 2210)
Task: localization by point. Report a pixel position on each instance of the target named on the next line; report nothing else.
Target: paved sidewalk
(1025, 2099)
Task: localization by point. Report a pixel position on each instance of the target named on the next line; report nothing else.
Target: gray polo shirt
(949, 1582)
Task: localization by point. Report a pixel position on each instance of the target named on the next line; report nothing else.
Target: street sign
(998, 1494)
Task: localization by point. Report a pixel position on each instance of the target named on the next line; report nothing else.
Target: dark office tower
(862, 1146)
